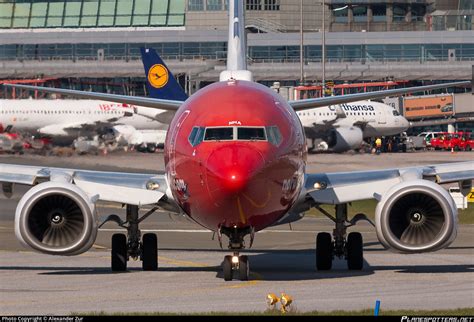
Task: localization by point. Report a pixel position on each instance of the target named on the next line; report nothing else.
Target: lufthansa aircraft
(344, 126)
(235, 158)
(65, 120)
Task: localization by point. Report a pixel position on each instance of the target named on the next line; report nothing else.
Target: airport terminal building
(94, 44)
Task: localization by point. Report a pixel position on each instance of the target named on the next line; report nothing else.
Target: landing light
(235, 259)
(320, 185)
(233, 177)
(152, 185)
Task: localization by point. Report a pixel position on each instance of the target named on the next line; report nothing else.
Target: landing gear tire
(323, 251)
(151, 148)
(150, 252)
(227, 268)
(355, 256)
(244, 268)
(119, 253)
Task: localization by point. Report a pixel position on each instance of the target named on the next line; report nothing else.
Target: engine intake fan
(56, 218)
(416, 216)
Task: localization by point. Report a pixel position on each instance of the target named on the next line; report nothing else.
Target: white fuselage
(70, 118)
(374, 119)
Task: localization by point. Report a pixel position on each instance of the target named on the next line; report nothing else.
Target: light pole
(323, 85)
(301, 44)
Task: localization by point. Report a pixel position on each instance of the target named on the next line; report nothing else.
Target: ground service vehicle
(459, 141)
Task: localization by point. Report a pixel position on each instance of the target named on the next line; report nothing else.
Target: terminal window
(196, 5)
(253, 5)
(214, 5)
(272, 5)
(92, 13)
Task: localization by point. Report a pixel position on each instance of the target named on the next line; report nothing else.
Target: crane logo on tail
(158, 76)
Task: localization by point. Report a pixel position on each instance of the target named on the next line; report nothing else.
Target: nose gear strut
(236, 263)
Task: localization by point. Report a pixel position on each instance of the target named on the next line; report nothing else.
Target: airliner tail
(160, 81)
(236, 45)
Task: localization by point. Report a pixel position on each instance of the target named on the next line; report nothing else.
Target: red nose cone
(232, 167)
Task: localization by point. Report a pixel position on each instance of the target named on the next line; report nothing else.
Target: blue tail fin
(160, 82)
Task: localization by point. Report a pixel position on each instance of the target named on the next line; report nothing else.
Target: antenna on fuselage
(236, 44)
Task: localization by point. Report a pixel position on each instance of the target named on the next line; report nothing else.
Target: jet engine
(344, 139)
(416, 216)
(56, 218)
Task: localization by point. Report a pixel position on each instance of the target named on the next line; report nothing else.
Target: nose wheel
(236, 266)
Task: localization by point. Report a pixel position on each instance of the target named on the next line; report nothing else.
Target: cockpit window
(274, 135)
(251, 133)
(244, 133)
(196, 135)
(219, 134)
(192, 136)
(395, 113)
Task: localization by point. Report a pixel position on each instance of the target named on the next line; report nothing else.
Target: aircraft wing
(126, 188)
(134, 100)
(305, 104)
(344, 187)
(317, 129)
(65, 129)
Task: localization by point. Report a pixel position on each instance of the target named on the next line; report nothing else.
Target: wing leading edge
(127, 188)
(344, 187)
(299, 105)
(164, 104)
(305, 104)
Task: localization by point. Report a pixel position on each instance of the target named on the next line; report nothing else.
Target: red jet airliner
(235, 157)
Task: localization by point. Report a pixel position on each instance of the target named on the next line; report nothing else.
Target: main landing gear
(236, 265)
(351, 248)
(132, 245)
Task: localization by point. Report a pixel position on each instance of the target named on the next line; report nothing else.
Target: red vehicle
(467, 144)
(458, 141)
(437, 143)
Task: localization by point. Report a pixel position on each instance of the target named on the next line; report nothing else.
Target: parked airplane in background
(66, 120)
(235, 162)
(343, 127)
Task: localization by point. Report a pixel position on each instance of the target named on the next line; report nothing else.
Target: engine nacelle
(344, 139)
(416, 216)
(56, 218)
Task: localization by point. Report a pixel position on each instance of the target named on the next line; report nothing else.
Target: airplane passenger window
(219, 133)
(251, 133)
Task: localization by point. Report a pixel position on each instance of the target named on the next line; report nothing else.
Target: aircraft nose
(405, 124)
(233, 167)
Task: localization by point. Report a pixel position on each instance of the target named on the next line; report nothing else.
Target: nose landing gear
(236, 264)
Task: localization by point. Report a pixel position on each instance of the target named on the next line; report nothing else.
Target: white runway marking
(203, 231)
